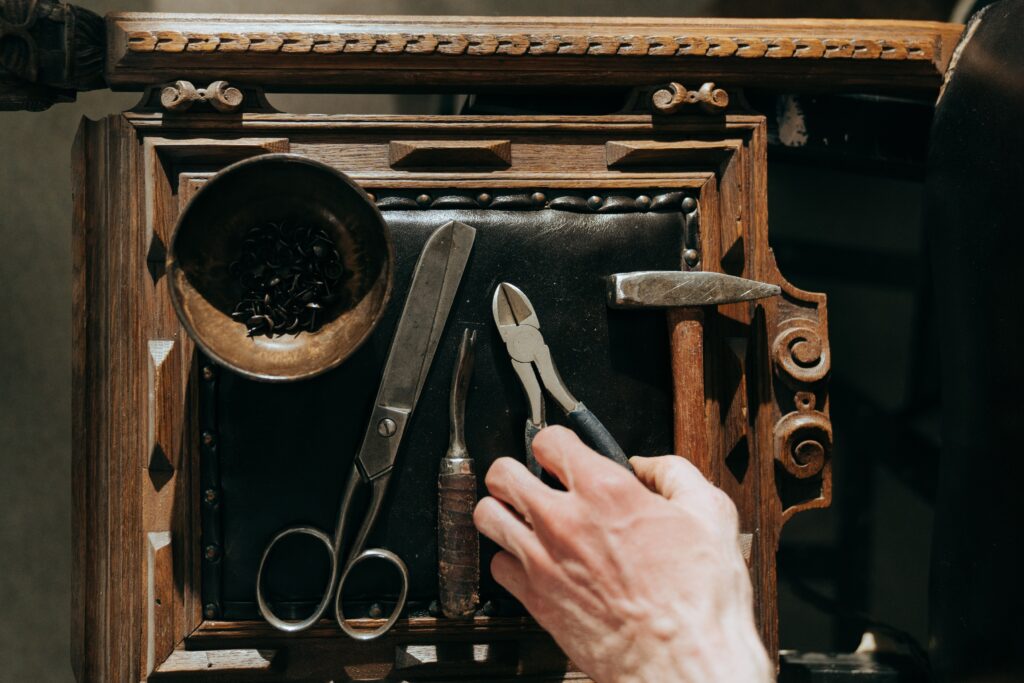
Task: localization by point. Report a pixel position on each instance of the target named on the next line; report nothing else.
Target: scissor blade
(431, 294)
(434, 283)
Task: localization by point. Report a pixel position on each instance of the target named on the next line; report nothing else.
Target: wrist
(725, 653)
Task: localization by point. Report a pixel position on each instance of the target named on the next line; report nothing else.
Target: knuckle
(725, 508)
(608, 484)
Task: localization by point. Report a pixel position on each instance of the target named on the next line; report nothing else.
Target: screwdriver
(458, 544)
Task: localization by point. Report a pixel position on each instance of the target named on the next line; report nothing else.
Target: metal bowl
(209, 237)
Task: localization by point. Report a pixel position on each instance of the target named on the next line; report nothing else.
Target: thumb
(671, 476)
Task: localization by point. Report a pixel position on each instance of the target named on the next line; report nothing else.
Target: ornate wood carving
(527, 44)
(708, 98)
(802, 436)
(181, 95)
(479, 53)
(48, 51)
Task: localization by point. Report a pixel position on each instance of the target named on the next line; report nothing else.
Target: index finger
(509, 481)
(561, 452)
(672, 476)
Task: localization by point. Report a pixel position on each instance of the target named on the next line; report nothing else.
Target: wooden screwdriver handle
(458, 544)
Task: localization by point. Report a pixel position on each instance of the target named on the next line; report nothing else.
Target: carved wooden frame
(370, 53)
(137, 612)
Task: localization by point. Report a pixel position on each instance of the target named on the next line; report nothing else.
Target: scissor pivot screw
(387, 427)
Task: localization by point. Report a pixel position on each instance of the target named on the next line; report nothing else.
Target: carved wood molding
(482, 51)
(520, 44)
(442, 153)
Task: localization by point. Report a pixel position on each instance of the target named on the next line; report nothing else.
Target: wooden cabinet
(745, 385)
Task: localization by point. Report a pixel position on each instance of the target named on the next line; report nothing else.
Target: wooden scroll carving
(181, 95)
(708, 98)
(803, 436)
(48, 51)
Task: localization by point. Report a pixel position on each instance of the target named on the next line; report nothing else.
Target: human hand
(639, 578)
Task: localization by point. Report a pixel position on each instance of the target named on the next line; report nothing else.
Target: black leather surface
(284, 449)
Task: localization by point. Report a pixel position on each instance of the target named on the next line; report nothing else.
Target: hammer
(684, 293)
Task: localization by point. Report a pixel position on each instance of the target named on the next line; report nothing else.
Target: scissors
(435, 281)
(519, 328)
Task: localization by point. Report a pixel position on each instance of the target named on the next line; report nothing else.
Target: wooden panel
(158, 636)
(109, 454)
(294, 52)
(184, 665)
(634, 153)
(755, 395)
(450, 153)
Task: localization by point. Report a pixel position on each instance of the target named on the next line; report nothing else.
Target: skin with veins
(637, 578)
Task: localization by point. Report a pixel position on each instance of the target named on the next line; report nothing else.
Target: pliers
(520, 330)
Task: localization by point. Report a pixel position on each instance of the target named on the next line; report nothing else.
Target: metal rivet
(643, 201)
(387, 427)
(210, 610)
(538, 198)
(483, 199)
(211, 552)
(207, 373)
(689, 204)
(691, 257)
(375, 611)
(210, 496)
(434, 609)
(208, 439)
(423, 199)
(594, 202)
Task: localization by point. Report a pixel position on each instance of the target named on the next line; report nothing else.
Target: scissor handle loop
(293, 625)
(339, 614)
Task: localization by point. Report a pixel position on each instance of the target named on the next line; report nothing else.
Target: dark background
(852, 230)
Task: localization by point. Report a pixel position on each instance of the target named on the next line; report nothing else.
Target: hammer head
(673, 289)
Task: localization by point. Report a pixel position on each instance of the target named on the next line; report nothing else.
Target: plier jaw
(519, 328)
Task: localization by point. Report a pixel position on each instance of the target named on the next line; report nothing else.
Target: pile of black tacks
(289, 273)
